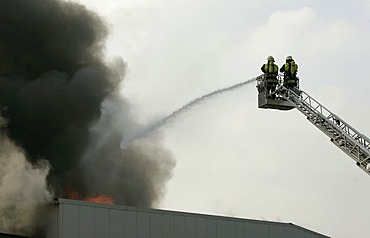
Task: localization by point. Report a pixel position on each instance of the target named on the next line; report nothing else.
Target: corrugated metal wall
(76, 219)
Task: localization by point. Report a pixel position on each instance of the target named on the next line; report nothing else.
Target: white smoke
(23, 187)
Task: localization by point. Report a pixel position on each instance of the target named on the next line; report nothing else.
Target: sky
(232, 158)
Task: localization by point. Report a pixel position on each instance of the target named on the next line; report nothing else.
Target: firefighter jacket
(271, 71)
(289, 68)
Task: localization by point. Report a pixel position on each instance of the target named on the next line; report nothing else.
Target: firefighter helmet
(270, 58)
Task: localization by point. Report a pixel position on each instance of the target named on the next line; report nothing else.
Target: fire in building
(62, 121)
(79, 219)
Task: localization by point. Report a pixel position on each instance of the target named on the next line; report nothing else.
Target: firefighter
(271, 71)
(290, 69)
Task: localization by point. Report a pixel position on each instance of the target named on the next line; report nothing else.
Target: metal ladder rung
(340, 133)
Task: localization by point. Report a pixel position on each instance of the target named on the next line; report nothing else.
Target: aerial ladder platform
(355, 144)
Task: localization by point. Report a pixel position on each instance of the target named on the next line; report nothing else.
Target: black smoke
(53, 77)
(60, 101)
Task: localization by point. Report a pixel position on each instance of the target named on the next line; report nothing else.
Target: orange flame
(98, 199)
(73, 195)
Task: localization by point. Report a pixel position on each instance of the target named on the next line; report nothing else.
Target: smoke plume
(64, 116)
(22, 185)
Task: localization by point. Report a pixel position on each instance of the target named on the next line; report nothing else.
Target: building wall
(77, 219)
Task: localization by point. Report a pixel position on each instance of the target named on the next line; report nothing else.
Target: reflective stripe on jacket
(290, 81)
(272, 80)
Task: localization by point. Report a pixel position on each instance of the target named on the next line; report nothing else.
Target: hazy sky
(233, 158)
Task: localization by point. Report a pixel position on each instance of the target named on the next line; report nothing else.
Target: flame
(98, 199)
(73, 195)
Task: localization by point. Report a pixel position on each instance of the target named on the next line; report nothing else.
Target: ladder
(344, 136)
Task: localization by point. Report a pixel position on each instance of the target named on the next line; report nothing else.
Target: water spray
(127, 141)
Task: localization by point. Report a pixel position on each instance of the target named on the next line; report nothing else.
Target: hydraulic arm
(344, 136)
